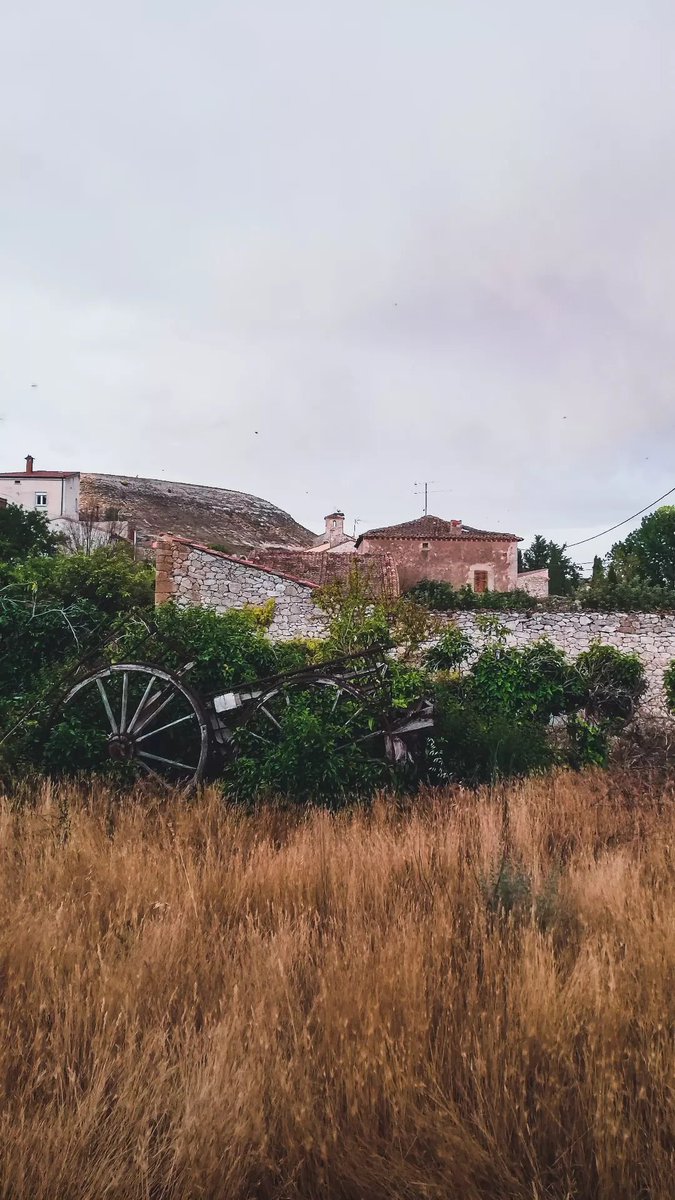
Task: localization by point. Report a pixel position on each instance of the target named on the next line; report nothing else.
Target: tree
(564, 575)
(648, 553)
(24, 533)
(598, 575)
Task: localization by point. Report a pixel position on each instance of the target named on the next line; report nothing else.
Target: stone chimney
(335, 527)
(29, 464)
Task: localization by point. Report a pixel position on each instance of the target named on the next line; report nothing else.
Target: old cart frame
(140, 708)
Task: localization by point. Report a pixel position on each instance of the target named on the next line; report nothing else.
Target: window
(480, 581)
(41, 500)
(425, 547)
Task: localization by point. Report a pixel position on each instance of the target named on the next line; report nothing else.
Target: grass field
(473, 997)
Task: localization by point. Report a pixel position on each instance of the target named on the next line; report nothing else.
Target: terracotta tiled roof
(38, 474)
(430, 528)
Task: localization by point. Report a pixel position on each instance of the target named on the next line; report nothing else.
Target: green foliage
(669, 685)
(451, 651)
(358, 621)
(310, 759)
(438, 596)
(225, 648)
(564, 575)
(475, 746)
(611, 683)
(612, 594)
(24, 533)
(262, 615)
(648, 553)
(588, 742)
(532, 684)
(109, 578)
(598, 575)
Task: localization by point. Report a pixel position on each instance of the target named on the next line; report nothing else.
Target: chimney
(456, 525)
(29, 464)
(335, 527)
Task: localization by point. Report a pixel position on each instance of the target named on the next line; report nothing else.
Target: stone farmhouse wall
(649, 635)
(452, 560)
(535, 583)
(378, 571)
(192, 574)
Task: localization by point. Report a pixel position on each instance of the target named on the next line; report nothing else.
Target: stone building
(334, 540)
(458, 554)
(189, 575)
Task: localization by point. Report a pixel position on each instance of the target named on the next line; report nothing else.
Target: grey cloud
(402, 241)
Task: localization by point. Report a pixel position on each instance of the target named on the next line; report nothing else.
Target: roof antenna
(426, 494)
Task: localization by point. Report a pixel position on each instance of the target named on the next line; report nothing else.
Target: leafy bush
(439, 596)
(24, 533)
(225, 648)
(109, 578)
(309, 755)
(534, 683)
(609, 594)
(611, 683)
(669, 685)
(451, 650)
(472, 746)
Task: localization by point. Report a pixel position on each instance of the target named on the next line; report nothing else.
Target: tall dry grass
(197, 1002)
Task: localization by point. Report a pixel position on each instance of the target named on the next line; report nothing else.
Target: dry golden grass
(197, 1002)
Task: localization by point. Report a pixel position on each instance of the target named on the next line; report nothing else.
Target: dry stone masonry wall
(190, 574)
(649, 635)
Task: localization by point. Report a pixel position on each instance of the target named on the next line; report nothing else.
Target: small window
(480, 581)
(425, 546)
(41, 500)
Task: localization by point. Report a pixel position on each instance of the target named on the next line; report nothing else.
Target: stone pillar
(164, 578)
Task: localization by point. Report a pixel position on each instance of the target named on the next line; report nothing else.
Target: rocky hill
(234, 521)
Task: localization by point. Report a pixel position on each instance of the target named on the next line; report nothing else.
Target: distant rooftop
(31, 473)
(435, 528)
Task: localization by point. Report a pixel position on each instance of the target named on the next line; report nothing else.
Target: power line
(611, 529)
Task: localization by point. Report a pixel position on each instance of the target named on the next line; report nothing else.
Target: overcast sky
(318, 251)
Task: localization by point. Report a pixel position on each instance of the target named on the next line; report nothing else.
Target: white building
(56, 494)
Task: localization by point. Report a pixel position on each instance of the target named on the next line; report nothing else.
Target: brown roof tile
(430, 528)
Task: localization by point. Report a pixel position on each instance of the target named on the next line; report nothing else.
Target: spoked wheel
(317, 738)
(132, 721)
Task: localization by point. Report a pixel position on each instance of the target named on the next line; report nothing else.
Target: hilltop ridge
(234, 520)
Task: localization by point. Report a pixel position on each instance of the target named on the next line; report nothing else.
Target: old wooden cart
(154, 724)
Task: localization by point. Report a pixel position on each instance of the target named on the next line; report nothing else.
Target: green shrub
(451, 650)
(531, 684)
(669, 685)
(611, 683)
(109, 578)
(473, 747)
(610, 594)
(439, 596)
(226, 648)
(309, 757)
(588, 742)
(24, 533)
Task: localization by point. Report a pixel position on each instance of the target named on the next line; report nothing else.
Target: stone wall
(535, 583)
(191, 574)
(452, 560)
(649, 635)
(378, 571)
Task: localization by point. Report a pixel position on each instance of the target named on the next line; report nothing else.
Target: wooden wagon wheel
(134, 721)
(346, 726)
